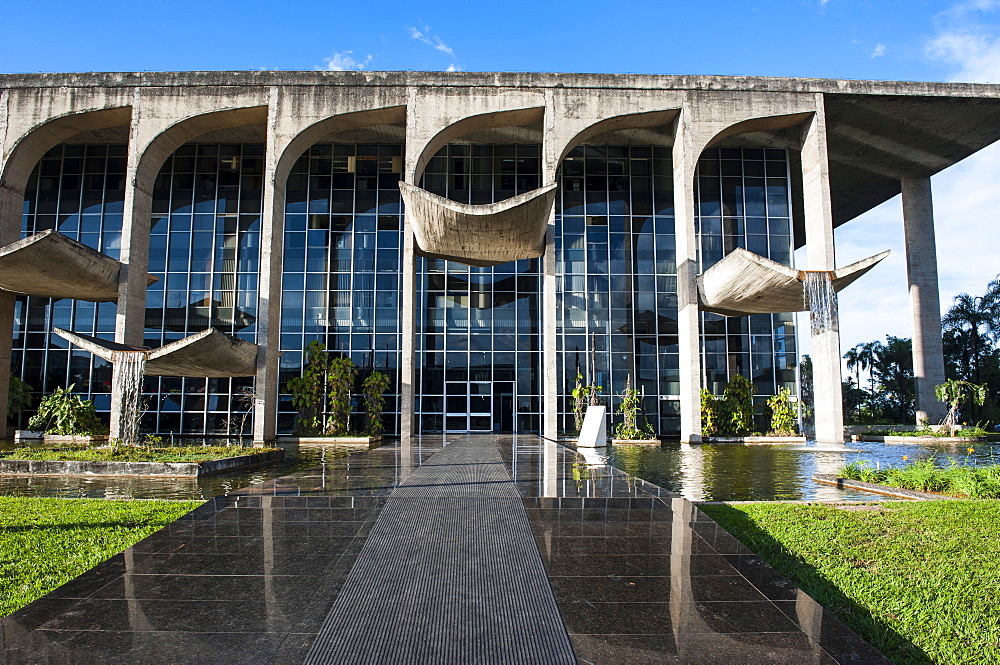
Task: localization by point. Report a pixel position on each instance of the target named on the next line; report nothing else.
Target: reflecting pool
(717, 472)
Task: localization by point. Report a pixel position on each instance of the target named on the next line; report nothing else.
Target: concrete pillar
(272, 238)
(130, 317)
(11, 203)
(827, 388)
(688, 329)
(407, 369)
(925, 303)
(549, 317)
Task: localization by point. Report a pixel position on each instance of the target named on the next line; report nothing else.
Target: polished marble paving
(638, 575)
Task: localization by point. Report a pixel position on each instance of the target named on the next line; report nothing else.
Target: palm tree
(867, 353)
(852, 363)
(977, 317)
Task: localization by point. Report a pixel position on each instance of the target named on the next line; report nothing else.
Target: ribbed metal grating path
(449, 575)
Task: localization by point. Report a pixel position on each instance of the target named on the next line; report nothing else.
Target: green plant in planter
(782, 414)
(66, 414)
(19, 397)
(323, 393)
(738, 395)
(712, 414)
(309, 390)
(374, 388)
(629, 407)
(341, 383)
(580, 395)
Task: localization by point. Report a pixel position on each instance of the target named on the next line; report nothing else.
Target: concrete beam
(925, 303)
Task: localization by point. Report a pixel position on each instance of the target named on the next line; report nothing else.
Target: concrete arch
(467, 125)
(642, 120)
(32, 145)
(760, 124)
(312, 134)
(154, 153)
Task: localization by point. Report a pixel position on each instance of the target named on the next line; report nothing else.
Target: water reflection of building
(269, 206)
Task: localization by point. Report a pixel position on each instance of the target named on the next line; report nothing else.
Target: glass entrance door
(468, 406)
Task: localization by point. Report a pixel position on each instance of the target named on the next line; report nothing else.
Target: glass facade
(479, 336)
(479, 340)
(617, 278)
(743, 201)
(78, 190)
(204, 246)
(341, 275)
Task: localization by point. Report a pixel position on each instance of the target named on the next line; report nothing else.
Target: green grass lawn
(920, 580)
(46, 542)
(130, 453)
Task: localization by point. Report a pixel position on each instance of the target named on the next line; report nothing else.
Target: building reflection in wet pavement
(640, 575)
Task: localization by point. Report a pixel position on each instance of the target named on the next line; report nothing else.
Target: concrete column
(827, 389)
(549, 315)
(407, 369)
(10, 230)
(272, 238)
(130, 317)
(925, 303)
(688, 330)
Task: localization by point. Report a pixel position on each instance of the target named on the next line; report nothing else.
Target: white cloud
(966, 43)
(453, 68)
(342, 61)
(426, 37)
(878, 51)
(963, 201)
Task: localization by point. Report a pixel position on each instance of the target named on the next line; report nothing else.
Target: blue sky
(877, 39)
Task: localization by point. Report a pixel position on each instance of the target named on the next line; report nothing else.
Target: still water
(719, 472)
(297, 458)
(728, 472)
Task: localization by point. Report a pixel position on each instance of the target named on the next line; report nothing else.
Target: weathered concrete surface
(878, 133)
(155, 469)
(52, 265)
(745, 283)
(925, 303)
(820, 255)
(479, 235)
(209, 353)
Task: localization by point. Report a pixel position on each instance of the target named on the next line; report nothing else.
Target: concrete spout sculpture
(479, 235)
(209, 353)
(51, 265)
(745, 283)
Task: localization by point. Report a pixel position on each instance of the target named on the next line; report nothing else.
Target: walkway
(418, 554)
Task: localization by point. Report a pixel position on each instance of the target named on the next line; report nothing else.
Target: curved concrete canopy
(745, 283)
(479, 235)
(209, 353)
(51, 265)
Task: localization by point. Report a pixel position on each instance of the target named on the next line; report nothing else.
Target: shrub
(66, 414)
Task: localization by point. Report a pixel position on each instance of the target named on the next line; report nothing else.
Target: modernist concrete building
(553, 223)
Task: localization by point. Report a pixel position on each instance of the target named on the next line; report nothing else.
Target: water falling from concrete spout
(130, 367)
(821, 300)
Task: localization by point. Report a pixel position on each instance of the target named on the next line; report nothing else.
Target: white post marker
(594, 433)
